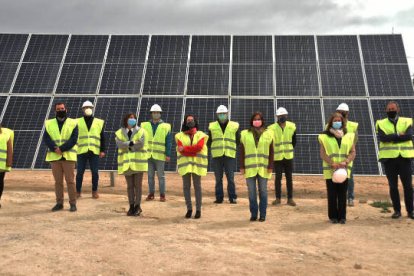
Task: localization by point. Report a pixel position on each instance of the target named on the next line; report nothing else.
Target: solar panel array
(308, 75)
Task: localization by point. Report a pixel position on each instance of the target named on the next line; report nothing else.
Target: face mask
(257, 123)
(392, 114)
(282, 119)
(190, 124)
(222, 117)
(132, 122)
(88, 112)
(156, 116)
(61, 114)
(337, 125)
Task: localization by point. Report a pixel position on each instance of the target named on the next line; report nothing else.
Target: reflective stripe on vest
(391, 149)
(283, 148)
(61, 137)
(89, 139)
(128, 160)
(336, 153)
(156, 143)
(223, 144)
(256, 159)
(192, 164)
(5, 135)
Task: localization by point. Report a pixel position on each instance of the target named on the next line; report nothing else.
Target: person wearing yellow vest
(60, 137)
(256, 163)
(351, 127)
(395, 153)
(224, 140)
(6, 154)
(132, 144)
(284, 136)
(159, 150)
(91, 147)
(192, 161)
(337, 150)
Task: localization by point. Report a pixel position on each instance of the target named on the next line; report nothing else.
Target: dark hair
(184, 126)
(393, 102)
(60, 103)
(126, 117)
(261, 118)
(330, 121)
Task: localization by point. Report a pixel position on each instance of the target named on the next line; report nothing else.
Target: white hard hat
(340, 175)
(222, 109)
(281, 111)
(87, 104)
(155, 108)
(343, 107)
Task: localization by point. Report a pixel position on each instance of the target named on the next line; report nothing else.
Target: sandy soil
(100, 239)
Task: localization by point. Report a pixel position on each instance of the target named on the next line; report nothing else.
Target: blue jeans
(221, 165)
(251, 186)
(156, 165)
(351, 186)
(81, 167)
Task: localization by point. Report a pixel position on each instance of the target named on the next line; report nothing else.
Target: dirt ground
(100, 239)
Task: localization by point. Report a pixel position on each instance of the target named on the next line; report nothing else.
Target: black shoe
(253, 218)
(197, 215)
(131, 210)
(218, 201)
(411, 215)
(189, 213)
(137, 210)
(57, 207)
(333, 221)
(233, 201)
(396, 215)
(261, 219)
(73, 208)
(342, 221)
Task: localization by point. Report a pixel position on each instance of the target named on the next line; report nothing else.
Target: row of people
(147, 148)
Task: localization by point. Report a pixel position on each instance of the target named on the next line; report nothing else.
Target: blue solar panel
(121, 79)
(307, 159)
(210, 49)
(46, 48)
(127, 49)
(79, 79)
(169, 49)
(295, 50)
(342, 80)
(338, 50)
(208, 79)
(165, 79)
(7, 72)
(36, 78)
(296, 80)
(25, 145)
(252, 49)
(383, 49)
(11, 47)
(388, 80)
(86, 49)
(252, 80)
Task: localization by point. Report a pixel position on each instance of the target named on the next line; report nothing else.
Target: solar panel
(86, 49)
(338, 50)
(127, 49)
(252, 49)
(295, 50)
(11, 47)
(165, 79)
(171, 113)
(307, 159)
(210, 50)
(366, 156)
(388, 80)
(2, 102)
(25, 145)
(7, 72)
(46, 48)
(36, 78)
(252, 80)
(383, 49)
(243, 109)
(169, 49)
(79, 79)
(342, 80)
(121, 79)
(208, 79)
(296, 80)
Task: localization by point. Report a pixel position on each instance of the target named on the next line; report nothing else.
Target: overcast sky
(211, 17)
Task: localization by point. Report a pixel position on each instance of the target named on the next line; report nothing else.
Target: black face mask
(282, 119)
(61, 114)
(191, 124)
(392, 114)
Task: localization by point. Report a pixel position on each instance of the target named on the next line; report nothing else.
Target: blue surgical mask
(132, 122)
(222, 117)
(337, 125)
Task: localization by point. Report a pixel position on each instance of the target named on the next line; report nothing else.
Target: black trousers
(2, 174)
(336, 199)
(285, 165)
(402, 167)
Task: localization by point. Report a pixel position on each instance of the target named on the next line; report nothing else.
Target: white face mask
(88, 112)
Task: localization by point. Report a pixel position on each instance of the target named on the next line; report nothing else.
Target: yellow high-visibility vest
(351, 127)
(5, 135)
(391, 149)
(128, 160)
(61, 137)
(89, 140)
(156, 143)
(192, 164)
(336, 153)
(256, 159)
(283, 148)
(223, 144)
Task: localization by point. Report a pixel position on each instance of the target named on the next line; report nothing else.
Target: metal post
(112, 177)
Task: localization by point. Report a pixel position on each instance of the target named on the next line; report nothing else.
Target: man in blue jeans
(224, 140)
(159, 150)
(91, 147)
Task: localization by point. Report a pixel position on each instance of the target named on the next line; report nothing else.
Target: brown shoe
(95, 195)
(150, 197)
(276, 201)
(162, 198)
(78, 195)
(291, 202)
